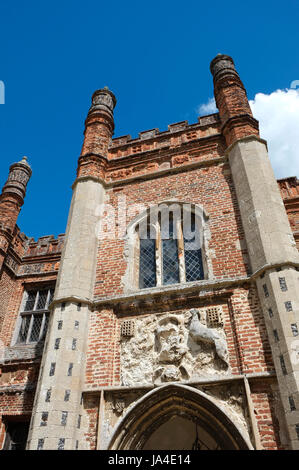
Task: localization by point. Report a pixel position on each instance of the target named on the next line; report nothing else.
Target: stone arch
(175, 400)
(139, 217)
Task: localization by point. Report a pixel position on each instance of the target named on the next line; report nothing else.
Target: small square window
(40, 444)
(48, 395)
(292, 403)
(79, 422)
(44, 419)
(283, 284)
(52, 368)
(275, 335)
(294, 329)
(283, 366)
(61, 443)
(64, 418)
(266, 292)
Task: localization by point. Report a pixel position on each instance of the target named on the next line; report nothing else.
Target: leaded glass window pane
(193, 256)
(24, 329)
(36, 327)
(42, 299)
(30, 301)
(170, 258)
(147, 263)
(193, 264)
(175, 236)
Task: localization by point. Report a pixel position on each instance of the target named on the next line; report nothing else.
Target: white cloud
(278, 116)
(207, 108)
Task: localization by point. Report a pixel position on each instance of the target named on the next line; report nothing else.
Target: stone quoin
(166, 317)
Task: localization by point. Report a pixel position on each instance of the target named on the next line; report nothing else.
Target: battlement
(154, 139)
(44, 246)
(289, 187)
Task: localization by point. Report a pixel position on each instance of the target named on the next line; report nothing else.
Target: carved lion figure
(201, 333)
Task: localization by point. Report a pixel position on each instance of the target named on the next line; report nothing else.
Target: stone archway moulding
(160, 404)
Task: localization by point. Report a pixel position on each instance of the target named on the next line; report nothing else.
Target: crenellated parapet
(42, 256)
(289, 187)
(46, 245)
(201, 129)
(153, 152)
(27, 257)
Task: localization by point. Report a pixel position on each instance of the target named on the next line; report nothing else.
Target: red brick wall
(102, 365)
(248, 327)
(11, 293)
(211, 187)
(265, 413)
(91, 406)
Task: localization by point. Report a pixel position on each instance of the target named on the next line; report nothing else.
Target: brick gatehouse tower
(167, 316)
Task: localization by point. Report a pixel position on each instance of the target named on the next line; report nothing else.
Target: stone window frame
(33, 313)
(132, 251)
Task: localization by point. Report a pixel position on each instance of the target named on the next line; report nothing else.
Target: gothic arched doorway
(177, 417)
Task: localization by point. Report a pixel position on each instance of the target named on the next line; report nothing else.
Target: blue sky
(154, 56)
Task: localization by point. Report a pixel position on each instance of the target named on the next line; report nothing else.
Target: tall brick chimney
(99, 127)
(11, 201)
(231, 100)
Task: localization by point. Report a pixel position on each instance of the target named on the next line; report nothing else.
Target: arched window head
(170, 245)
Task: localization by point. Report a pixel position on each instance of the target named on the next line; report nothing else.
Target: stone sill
(202, 287)
(21, 353)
